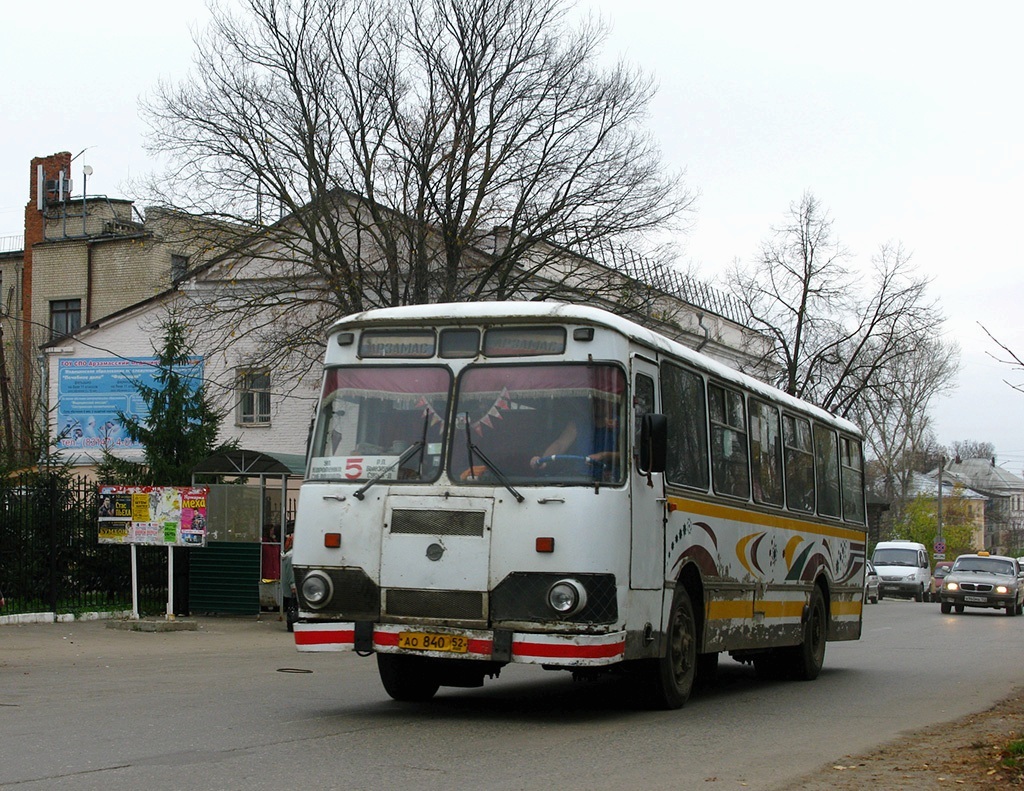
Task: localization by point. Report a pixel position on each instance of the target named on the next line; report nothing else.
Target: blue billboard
(91, 392)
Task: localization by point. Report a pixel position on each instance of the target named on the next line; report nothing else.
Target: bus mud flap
(501, 647)
(364, 637)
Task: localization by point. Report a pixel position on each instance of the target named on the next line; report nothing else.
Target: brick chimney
(52, 166)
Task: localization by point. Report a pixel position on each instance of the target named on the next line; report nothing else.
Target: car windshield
(984, 566)
(895, 557)
(381, 423)
(539, 424)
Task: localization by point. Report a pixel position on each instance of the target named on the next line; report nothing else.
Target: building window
(254, 397)
(179, 266)
(65, 316)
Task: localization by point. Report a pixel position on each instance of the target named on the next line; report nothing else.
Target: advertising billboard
(154, 515)
(91, 392)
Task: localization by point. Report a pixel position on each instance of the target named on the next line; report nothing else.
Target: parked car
(871, 590)
(983, 580)
(938, 575)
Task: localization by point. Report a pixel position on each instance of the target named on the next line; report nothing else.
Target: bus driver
(598, 442)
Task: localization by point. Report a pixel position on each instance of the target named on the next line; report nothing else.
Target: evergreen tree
(181, 428)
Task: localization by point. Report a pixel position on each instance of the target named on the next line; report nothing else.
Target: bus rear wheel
(809, 656)
(407, 678)
(669, 680)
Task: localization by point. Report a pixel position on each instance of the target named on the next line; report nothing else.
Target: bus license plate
(427, 641)
(981, 599)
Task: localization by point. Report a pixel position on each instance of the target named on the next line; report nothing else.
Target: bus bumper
(560, 650)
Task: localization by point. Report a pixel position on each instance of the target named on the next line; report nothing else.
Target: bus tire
(809, 656)
(410, 679)
(670, 678)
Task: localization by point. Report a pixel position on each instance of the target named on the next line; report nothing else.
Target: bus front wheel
(671, 677)
(407, 678)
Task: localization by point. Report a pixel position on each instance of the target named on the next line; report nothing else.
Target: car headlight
(567, 597)
(1002, 589)
(952, 586)
(317, 589)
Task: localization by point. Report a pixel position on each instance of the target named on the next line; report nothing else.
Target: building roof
(983, 475)
(926, 485)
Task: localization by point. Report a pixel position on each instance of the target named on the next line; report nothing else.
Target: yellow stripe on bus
(773, 608)
(752, 517)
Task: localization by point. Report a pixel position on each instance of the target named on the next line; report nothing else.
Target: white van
(903, 569)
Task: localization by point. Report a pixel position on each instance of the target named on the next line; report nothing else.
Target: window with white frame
(253, 387)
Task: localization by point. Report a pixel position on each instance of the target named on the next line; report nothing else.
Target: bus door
(647, 541)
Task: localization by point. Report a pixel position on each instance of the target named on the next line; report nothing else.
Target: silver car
(983, 580)
(871, 588)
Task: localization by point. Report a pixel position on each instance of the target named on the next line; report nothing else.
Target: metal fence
(51, 559)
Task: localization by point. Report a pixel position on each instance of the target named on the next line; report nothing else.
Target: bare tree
(1011, 359)
(971, 449)
(837, 333)
(895, 412)
(388, 152)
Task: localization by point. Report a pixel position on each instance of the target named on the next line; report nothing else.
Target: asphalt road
(232, 705)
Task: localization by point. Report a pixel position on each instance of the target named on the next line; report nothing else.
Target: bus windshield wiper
(406, 454)
(472, 448)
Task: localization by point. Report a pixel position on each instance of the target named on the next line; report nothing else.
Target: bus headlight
(317, 589)
(567, 597)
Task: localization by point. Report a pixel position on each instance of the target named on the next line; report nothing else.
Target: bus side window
(765, 452)
(730, 470)
(796, 435)
(826, 469)
(851, 471)
(643, 403)
(682, 402)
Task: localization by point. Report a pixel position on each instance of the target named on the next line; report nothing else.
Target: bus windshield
(539, 424)
(381, 421)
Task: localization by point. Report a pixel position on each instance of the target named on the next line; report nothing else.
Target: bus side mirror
(653, 442)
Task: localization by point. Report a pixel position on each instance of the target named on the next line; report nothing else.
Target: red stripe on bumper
(567, 650)
(324, 637)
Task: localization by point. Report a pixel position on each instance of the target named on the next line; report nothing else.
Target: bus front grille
(437, 523)
(439, 605)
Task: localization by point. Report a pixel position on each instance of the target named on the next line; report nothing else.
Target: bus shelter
(250, 510)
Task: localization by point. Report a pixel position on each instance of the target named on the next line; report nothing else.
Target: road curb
(64, 617)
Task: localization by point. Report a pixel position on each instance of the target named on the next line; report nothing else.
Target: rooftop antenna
(86, 172)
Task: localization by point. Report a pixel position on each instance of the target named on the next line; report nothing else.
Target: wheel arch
(691, 580)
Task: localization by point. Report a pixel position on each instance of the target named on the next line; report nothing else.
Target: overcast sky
(904, 118)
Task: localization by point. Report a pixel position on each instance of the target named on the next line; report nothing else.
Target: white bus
(554, 485)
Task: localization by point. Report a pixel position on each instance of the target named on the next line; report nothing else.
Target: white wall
(137, 334)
